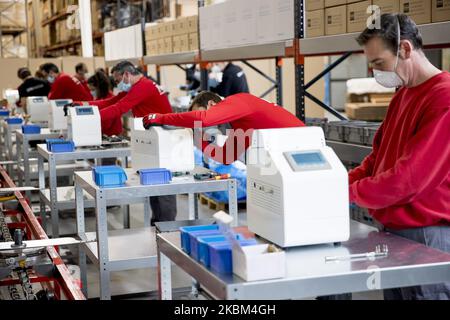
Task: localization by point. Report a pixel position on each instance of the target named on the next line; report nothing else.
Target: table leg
(232, 201)
(191, 203)
(147, 213)
(81, 230)
(41, 174)
(102, 245)
(53, 196)
(165, 281)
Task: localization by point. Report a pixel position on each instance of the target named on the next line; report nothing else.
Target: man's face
(117, 77)
(83, 73)
(379, 56)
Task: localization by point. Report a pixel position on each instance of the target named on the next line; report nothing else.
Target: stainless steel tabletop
(308, 275)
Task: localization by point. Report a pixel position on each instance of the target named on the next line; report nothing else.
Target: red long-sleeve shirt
(69, 87)
(242, 111)
(143, 98)
(405, 181)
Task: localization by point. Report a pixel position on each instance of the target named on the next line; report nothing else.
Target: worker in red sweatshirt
(64, 86)
(405, 181)
(241, 111)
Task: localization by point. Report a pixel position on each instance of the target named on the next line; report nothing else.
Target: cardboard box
(312, 5)
(366, 111)
(334, 3)
(99, 62)
(265, 23)
(284, 19)
(161, 48)
(180, 26)
(9, 67)
(193, 41)
(440, 10)
(35, 63)
(184, 43)
(387, 6)
(192, 24)
(176, 47)
(168, 45)
(152, 47)
(315, 23)
(335, 20)
(247, 34)
(417, 10)
(357, 16)
(151, 33)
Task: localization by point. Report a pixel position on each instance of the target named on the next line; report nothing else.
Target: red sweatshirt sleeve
(365, 169)
(224, 112)
(423, 166)
(103, 103)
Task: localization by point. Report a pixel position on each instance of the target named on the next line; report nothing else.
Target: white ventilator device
(57, 119)
(161, 147)
(38, 109)
(84, 126)
(297, 188)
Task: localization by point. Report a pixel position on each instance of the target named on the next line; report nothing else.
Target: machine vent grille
(265, 196)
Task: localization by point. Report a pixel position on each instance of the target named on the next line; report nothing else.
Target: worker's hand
(151, 120)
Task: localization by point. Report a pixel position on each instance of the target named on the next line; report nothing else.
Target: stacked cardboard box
(175, 36)
(331, 17)
(368, 106)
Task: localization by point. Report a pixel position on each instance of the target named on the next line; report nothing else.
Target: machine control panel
(311, 160)
(61, 103)
(85, 111)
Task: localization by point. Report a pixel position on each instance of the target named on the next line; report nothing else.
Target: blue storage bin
(109, 176)
(220, 255)
(14, 120)
(31, 129)
(155, 176)
(4, 113)
(193, 240)
(185, 242)
(60, 145)
(203, 249)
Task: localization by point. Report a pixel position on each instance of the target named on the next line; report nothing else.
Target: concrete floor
(132, 283)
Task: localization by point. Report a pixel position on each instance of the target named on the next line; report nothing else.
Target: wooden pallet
(211, 203)
(217, 206)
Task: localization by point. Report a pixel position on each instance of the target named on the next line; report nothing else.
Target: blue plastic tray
(60, 145)
(155, 176)
(31, 129)
(185, 242)
(109, 176)
(193, 240)
(221, 255)
(13, 120)
(203, 249)
(4, 113)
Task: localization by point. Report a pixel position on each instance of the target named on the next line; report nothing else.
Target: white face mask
(390, 79)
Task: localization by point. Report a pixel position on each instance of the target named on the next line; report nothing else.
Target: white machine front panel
(84, 126)
(38, 108)
(58, 121)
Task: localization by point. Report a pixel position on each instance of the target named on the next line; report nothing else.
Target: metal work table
(7, 143)
(24, 152)
(51, 196)
(132, 248)
(307, 274)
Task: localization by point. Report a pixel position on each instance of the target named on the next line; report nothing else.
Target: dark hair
(101, 83)
(203, 98)
(126, 66)
(388, 32)
(47, 67)
(23, 73)
(38, 74)
(80, 67)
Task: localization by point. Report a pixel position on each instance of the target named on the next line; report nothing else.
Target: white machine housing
(297, 188)
(38, 109)
(84, 126)
(57, 119)
(160, 147)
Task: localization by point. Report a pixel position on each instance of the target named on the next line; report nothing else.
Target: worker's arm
(103, 103)
(366, 168)
(225, 111)
(423, 166)
(133, 98)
